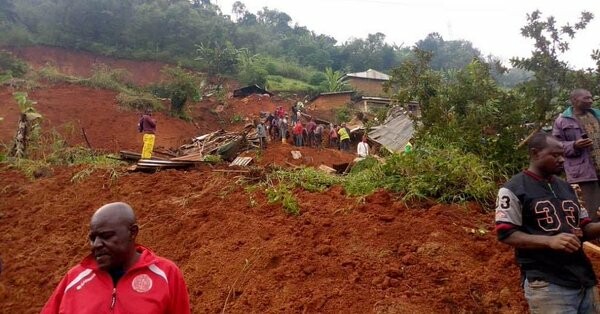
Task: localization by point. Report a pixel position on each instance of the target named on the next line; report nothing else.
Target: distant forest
(173, 31)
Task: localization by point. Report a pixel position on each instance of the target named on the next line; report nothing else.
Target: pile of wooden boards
(225, 144)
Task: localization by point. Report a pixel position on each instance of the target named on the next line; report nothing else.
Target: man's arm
(52, 306)
(566, 242)
(180, 300)
(571, 150)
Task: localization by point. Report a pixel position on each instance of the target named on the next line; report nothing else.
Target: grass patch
(107, 78)
(282, 194)
(51, 74)
(283, 84)
(448, 175)
(104, 77)
(51, 151)
(310, 179)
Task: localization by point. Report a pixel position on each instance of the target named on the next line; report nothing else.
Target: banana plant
(28, 123)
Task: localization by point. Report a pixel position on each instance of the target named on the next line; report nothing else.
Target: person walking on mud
(147, 126)
(540, 216)
(344, 136)
(333, 137)
(261, 133)
(310, 131)
(283, 129)
(119, 276)
(297, 131)
(319, 136)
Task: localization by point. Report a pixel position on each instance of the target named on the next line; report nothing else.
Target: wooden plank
(189, 157)
(291, 164)
(327, 169)
(231, 171)
(591, 247)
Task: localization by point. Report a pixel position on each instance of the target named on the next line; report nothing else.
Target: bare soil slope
(340, 255)
(68, 108)
(81, 63)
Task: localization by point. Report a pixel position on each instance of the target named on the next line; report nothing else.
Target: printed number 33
(548, 219)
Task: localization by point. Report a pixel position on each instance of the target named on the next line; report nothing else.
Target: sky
(492, 26)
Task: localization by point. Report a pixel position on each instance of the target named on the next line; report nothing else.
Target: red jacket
(298, 128)
(152, 285)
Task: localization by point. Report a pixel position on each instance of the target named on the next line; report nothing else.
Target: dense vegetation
(255, 47)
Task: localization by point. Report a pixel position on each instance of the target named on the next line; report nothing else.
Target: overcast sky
(492, 26)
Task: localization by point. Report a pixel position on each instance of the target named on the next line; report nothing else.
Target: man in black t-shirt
(539, 214)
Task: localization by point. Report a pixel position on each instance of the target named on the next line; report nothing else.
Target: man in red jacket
(119, 276)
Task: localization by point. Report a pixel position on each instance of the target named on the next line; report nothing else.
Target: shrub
(139, 101)
(253, 74)
(343, 114)
(52, 74)
(310, 179)
(317, 78)
(283, 195)
(449, 175)
(52, 150)
(11, 65)
(181, 85)
(365, 180)
(288, 69)
(107, 78)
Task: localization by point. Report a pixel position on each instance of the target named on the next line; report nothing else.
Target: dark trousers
(591, 197)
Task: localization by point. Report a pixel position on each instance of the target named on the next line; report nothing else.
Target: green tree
(464, 109)
(182, 85)
(251, 72)
(218, 59)
(334, 81)
(453, 54)
(552, 78)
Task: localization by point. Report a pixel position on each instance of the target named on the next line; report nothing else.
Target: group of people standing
(278, 126)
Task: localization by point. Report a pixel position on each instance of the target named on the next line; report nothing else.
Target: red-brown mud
(280, 154)
(81, 63)
(354, 255)
(67, 108)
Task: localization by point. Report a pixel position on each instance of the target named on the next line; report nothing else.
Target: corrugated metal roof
(395, 133)
(241, 161)
(370, 74)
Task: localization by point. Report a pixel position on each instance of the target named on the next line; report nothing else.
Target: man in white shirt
(362, 149)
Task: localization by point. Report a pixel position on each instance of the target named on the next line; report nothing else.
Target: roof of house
(350, 92)
(397, 130)
(337, 93)
(249, 90)
(370, 74)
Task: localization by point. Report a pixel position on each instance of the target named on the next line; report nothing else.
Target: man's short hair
(539, 140)
(576, 92)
